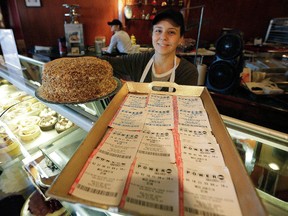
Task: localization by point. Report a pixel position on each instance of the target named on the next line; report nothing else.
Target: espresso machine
(73, 31)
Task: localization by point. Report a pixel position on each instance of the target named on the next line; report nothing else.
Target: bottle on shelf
(143, 14)
(133, 39)
(62, 45)
(153, 14)
(147, 17)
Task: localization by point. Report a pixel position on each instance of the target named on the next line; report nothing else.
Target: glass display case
(263, 151)
(265, 155)
(23, 137)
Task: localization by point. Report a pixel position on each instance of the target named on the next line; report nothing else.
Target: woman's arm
(112, 45)
(129, 67)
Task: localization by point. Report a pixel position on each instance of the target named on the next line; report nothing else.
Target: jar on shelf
(133, 39)
(143, 14)
(153, 14)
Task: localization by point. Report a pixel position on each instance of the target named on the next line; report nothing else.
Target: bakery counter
(75, 114)
(258, 147)
(20, 180)
(26, 120)
(27, 129)
(25, 112)
(264, 110)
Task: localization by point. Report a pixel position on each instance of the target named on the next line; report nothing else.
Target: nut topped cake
(80, 79)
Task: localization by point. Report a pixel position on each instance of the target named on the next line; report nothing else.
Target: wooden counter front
(269, 111)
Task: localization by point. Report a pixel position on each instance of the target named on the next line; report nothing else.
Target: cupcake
(38, 105)
(47, 112)
(29, 120)
(18, 95)
(63, 124)
(47, 123)
(29, 132)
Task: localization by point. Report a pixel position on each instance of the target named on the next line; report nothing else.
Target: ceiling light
(274, 166)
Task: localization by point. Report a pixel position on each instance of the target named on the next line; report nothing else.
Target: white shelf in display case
(60, 151)
(46, 137)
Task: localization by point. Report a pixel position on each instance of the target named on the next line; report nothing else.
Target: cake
(39, 206)
(30, 99)
(8, 146)
(38, 105)
(22, 105)
(18, 95)
(29, 132)
(47, 123)
(29, 120)
(76, 80)
(47, 112)
(8, 103)
(63, 124)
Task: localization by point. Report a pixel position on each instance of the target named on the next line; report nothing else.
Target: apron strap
(145, 72)
(148, 66)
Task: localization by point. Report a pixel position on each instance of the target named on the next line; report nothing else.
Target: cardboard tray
(249, 200)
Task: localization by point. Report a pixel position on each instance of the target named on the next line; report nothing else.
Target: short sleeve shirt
(121, 41)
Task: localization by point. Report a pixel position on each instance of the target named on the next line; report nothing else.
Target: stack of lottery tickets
(159, 157)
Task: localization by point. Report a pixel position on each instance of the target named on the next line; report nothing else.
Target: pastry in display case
(20, 135)
(33, 123)
(41, 171)
(5, 101)
(9, 144)
(48, 122)
(37, 205)
(29, 132)
(43, 167)
(63, 124)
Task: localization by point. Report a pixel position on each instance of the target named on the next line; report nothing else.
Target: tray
(249, 200)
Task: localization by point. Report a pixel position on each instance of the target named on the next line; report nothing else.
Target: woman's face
(165, 37)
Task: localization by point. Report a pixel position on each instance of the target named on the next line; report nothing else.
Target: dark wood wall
(251, 17)
(42, 26)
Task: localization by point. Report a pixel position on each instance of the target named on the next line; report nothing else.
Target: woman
(162, 64)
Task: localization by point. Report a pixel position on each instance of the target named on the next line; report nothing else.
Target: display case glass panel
(265, 155)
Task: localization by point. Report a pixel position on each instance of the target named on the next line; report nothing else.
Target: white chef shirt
(121, 41)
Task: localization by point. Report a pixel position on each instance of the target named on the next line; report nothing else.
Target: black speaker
(223, 75)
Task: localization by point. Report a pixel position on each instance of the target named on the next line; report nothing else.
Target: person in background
(120, 41)
(162, 64)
